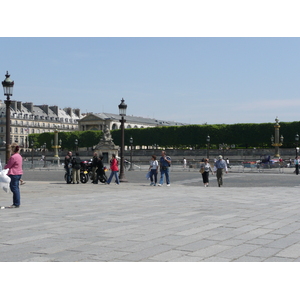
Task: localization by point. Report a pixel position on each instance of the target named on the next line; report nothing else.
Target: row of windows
(32, 130)
(37, 117)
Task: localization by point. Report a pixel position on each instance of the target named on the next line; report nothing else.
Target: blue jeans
(14, 187)
(162, 174)
(69, 170)
(113, 173)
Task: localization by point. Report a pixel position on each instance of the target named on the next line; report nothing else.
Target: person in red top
(114, 169)
(15, 173)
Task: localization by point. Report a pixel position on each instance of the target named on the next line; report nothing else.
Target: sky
(199, 63)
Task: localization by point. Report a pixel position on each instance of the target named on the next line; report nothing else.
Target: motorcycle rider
(68, 166)
(100, 170)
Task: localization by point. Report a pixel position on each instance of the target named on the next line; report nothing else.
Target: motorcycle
(84, 174)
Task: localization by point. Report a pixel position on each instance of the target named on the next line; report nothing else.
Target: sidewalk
(134, 222)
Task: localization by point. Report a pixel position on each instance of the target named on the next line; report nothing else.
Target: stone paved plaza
(134, 222)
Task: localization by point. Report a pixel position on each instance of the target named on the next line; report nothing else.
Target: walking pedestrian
(165, 163)
(114, 169)
(68, 166)
(184, 163)
(205, 169)
(220, 166)
(153, 170)
(297, 161)
(15, 173)
(76, 168)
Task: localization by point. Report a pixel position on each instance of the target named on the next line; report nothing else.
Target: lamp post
(76, 145)
(131, 164)
(277, 144)
(31, 154)
(8, 86)
(45, 145)
(208, 141)
(296, 142)
(122, 113)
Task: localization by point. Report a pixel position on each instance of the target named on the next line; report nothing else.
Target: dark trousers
(205, 177)
(153, 173)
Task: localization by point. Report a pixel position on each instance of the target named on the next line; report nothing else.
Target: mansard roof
(131, 119)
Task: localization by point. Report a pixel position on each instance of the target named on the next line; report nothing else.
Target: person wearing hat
(220, 166)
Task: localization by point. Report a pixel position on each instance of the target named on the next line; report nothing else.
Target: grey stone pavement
(246, 220)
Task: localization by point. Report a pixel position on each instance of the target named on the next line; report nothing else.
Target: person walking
(76, 168)
(220, 166)
(165, 163)
(153, 170)
(114, 169)
(297, 161)
(205, 169)
(184, 163)
(68, 166)
(94, 167)
(15, 173)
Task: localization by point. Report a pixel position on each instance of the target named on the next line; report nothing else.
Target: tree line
(248, 135)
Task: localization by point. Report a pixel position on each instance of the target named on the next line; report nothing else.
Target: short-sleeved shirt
(163, 162)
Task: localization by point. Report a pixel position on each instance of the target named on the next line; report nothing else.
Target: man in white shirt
(220, 166)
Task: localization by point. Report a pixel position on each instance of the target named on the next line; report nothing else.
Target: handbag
(148, 175)
(202, 170)
(4, 180)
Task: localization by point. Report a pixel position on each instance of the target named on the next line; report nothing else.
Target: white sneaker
(159, 184)
(168, 184)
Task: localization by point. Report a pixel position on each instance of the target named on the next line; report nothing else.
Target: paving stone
(132, 222)
(290, 252)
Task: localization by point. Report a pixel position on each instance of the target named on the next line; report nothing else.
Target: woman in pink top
(114, 169)
(15, 173)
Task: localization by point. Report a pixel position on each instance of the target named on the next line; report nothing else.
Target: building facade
(98, 121)
(27, 118)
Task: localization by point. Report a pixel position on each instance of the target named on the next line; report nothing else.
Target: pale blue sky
(194, 62)
(191, 80)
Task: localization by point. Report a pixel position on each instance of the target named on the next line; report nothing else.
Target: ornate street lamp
(32, 144)
(45, 146)
(122, 113)
(131, 164)
(277, 144)
(208, 141)
(8, 86)
(76, 145)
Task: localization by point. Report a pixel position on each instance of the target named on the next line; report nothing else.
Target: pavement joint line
(136, 222)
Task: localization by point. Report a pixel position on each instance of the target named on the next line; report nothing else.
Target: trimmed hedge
(190, 136)
(194, 136)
